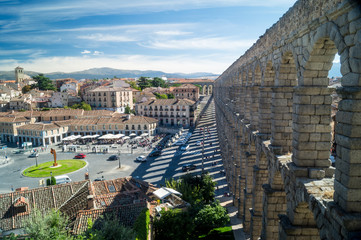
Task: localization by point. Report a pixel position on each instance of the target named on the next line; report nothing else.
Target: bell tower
(19, 75)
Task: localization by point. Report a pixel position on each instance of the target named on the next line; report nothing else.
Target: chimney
(90, 199)
(128, 116)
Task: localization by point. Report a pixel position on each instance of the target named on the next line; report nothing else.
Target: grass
(44, 169)
(224, 233)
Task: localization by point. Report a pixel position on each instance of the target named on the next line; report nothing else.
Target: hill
(100, 73)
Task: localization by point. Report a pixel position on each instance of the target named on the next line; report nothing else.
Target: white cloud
(175, 63)
(85, 52)
(201, 43)
(107, 38)
(172, 33)
(96, 53)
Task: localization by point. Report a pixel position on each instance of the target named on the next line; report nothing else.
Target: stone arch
(282, 101)
(312, 109)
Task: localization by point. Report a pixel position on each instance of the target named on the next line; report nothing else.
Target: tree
(48, 225)
(161, 96)
(199, 86)
(127, 110)
(173, 224)
(26, 89)
(82, 105)
(43, 83)
(170, 95)
(108, 228)
(209, 217)
(133, 85)
(194, 189)
(158, 82)
(143, 82)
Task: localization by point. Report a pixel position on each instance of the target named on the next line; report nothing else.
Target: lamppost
(36, 159)
(120, 165)
(202, 129)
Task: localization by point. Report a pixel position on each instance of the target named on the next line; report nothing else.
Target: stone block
(315, 137)
(322, 128)
(350, 105)
(315, 119)
(316, 173)
(323, 146)
(323, 110)
(304, 109)
(317, 99)
(348, 194)
(351, 79)
(350, 156)
(302, 99)
(322, 163)
(352, 170)
(311, 155)
(304, 127)
(325, 154)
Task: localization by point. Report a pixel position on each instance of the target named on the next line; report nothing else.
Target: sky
(171, 36)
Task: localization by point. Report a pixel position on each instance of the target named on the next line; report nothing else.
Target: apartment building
(114, 98)
(188, 91)
(169, 112)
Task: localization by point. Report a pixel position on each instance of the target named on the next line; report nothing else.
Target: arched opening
(312, 110)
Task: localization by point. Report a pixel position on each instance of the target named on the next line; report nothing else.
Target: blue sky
(172, 36)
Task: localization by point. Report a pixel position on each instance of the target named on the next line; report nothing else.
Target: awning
(164, 192)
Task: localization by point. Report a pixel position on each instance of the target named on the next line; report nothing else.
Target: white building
(59, 99)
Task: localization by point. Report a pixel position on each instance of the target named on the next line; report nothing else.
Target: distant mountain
(100, 73)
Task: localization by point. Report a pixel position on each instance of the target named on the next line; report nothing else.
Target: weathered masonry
(273, 109)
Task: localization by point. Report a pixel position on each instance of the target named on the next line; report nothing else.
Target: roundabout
(46, 169)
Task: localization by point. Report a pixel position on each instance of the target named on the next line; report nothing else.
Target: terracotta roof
(14, 119)
(44, 198)
(126, 197)
(39, 126)
(62, 112)
(168, 102)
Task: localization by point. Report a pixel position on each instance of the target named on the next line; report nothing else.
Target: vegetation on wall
(141, 225)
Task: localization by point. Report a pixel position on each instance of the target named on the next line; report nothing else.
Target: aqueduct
(273, 109)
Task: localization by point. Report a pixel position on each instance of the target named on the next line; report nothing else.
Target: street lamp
(119, 159)
(36, 157)
(202, 129)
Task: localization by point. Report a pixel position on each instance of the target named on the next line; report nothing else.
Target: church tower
(19, 75)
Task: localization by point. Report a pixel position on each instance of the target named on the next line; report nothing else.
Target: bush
(141, 225)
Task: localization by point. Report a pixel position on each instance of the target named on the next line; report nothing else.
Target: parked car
(99, 179)
(113, 157)
(62, 179)
(188, 167)
(155, 153)
(199, 143)
(80, 156)
(141, 158)
(34, 154)
(185, 147)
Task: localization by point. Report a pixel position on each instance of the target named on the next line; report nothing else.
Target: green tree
(43, 83)
(209, 217)
(161, 96)
(127, 110)
(158, 82)
(133, 85)
(26, 89)
(194, 189)
(108, 228)
(173, 224)
(141, 225)
(170, 95)
(143, 82)
(48, 225)
(82, 105)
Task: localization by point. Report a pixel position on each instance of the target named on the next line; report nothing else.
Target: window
(110, 126)
(145, 127)
(139, 128)
(126, 127)
(103, 126)
(133, 128)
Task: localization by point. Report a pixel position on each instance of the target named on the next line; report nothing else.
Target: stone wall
(273, 110)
